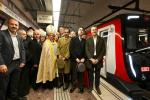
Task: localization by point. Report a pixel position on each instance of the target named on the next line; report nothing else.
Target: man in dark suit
(24, 86)
(95, 50)
(77, 53)
(12, 57)
(36, 49)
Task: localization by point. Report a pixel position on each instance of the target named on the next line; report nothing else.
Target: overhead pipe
(82, 1)
(33, 22)
(129, 3)
(130, 9)
(137, 4)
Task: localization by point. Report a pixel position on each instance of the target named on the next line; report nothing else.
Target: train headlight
(131, 65)
(133, 17)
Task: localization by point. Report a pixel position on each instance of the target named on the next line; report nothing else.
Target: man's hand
(22, 65)
(3, 69)
(77, 60)
(63, 58)
(96, 61)
(60, 57)
(35, 65)
(82, 60)
(92, 60)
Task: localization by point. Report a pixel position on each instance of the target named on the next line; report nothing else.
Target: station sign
(44, 17)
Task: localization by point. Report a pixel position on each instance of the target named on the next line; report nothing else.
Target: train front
(137, 47)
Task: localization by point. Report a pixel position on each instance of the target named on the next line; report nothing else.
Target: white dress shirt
(15, 45)
(95, 39)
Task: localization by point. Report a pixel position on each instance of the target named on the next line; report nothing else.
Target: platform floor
(108, 93)
(59, 94)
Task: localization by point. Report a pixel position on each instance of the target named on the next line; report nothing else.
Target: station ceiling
(83, 13)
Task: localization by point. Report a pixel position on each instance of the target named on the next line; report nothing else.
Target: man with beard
(12, 58)
(95, 50)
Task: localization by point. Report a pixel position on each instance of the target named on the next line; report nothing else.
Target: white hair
(21, 31)
(42, 32)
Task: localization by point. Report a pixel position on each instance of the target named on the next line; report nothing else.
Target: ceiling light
(133, 17)
(56, 12)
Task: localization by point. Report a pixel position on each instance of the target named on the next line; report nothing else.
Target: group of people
(38, 58)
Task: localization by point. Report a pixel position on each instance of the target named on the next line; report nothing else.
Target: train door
(108, 34)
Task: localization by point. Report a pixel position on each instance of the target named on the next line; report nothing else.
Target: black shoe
(98, 90)
(81, 90)
(66, 87)
(72, 89)
(60, 85)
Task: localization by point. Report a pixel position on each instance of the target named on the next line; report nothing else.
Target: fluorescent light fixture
(56, 16)
(56, 24)
(56, 12)
(133, 17)
(56, 5)
(131, 65)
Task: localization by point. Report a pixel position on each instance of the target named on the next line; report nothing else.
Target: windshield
(137, 39)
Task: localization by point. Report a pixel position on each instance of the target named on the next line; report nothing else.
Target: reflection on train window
(137, 38)
(143, 38)
(132, 34)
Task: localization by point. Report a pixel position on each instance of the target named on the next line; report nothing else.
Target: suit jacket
(77, 48)
(36, 49)
(27, 46)
(7, 49)
(63, 47)
(100, 48)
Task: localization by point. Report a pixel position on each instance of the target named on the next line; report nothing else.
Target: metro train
(127, 60)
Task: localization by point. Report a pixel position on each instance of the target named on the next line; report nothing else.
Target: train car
(127, 60)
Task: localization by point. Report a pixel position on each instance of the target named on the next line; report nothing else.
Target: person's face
(94, 31)
(51, 37)
(36, 35)
(80, 31)
(61, 30)
(72, 34)
(66, 32)
(42, 38)
(13, 25)
(23, 35)
(56, 37)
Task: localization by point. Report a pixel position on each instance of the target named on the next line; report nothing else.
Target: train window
(131, 38)
(105, 32)
(137, 38)
(143, 40)
(104, 35)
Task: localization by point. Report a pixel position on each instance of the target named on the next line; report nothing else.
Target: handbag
(81, 67)
(60, 63)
